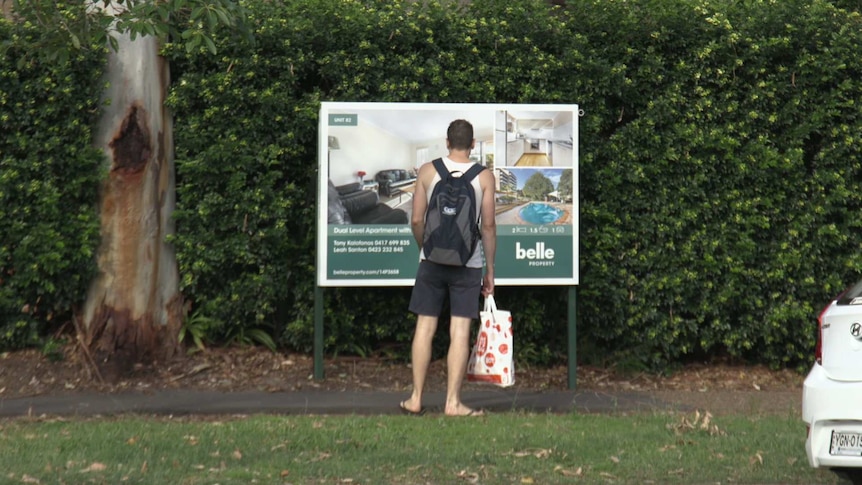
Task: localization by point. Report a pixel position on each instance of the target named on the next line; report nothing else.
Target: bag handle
(490, 304)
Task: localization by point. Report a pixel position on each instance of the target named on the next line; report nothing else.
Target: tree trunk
(133, 311)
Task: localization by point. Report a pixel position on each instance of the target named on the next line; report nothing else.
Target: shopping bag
(491, 359)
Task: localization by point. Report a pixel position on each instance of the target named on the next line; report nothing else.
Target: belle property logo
(538, 256)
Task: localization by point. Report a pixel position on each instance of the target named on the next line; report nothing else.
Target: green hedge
(304, 53)
(718, 163)
(717, 201)
(719, 166)
(49, 181)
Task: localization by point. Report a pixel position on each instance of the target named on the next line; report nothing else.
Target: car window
(853, 295)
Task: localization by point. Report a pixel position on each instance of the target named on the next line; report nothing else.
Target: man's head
(460, 135)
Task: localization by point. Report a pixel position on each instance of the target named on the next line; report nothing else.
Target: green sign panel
(343, 119)
(390, 253)
(534, 256)
(372, 252)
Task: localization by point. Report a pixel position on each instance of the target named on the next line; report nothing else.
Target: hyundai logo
(856, 329)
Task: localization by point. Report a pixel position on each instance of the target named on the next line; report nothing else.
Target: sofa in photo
(391, 180)
(349, 204)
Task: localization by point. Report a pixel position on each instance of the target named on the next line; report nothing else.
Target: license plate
(846, 444)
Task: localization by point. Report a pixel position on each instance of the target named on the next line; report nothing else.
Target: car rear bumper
(827, 406)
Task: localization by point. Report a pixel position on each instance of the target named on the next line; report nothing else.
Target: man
(462, 285)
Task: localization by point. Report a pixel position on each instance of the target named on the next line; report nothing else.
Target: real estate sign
(370, 154)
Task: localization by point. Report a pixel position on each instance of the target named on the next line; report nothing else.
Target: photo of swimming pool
(539, 213)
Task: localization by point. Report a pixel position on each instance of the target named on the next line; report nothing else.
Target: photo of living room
(379, 152)
(535, 138)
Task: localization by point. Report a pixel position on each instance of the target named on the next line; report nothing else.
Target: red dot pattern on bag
(490, 359)
(482, 343)
(504, 349)
(487, 323)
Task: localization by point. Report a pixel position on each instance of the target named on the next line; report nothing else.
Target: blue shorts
(435, 282)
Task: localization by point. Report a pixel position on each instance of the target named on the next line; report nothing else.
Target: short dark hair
(460, 135)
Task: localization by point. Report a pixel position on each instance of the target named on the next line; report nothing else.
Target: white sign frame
(359, 136)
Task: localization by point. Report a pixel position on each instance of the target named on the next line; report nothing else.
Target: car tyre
(851, 475)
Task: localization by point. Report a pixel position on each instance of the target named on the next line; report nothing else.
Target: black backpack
(452, 218)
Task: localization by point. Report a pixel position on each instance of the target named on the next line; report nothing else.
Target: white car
(832, 391)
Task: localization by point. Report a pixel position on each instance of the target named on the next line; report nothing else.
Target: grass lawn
(659, 448)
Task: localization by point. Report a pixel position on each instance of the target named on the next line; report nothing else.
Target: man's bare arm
(489, 229)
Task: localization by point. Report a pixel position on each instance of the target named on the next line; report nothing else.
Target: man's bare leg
(421, 357)
(456, 361)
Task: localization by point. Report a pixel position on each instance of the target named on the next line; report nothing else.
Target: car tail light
(818, 347)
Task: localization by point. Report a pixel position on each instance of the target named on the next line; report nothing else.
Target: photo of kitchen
(534, 138)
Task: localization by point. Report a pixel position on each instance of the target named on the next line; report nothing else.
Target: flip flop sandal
(408, 412)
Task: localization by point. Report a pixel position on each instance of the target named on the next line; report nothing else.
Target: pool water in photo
(538, 213)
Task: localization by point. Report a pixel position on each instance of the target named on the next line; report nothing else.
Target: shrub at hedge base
(719, 166)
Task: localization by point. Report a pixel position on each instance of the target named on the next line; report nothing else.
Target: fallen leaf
(792, 461)
(538, 453)
(757, 458)
(706, 420)
(469, 476)
(527, 480)
(284, 473)
(237, 455)
(577, 472)
(95, 467)
(615, 459)
(28, 479)
(322, 456)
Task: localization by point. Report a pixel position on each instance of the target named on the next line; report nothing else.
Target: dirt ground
(718, 388)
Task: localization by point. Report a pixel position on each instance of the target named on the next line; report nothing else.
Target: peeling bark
(134, 309)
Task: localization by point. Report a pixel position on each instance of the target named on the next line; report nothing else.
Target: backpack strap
(470, 174)
(441, 168)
